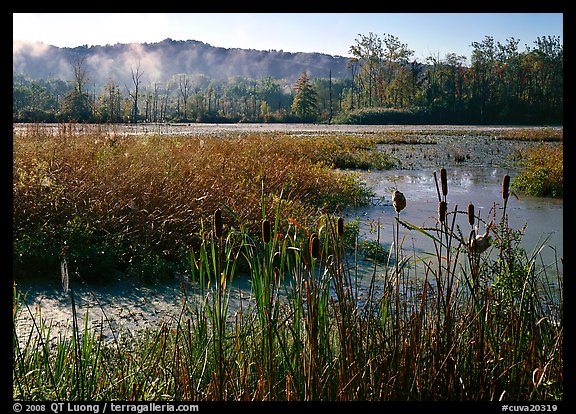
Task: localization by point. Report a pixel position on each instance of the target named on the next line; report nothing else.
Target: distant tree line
(387, 85)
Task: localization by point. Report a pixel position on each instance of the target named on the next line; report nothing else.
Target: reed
(444, 181)
(266, 231)
(308, 331)
(442, 210)
(314, 245)
(141, 199)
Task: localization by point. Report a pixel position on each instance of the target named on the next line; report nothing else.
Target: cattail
(471, 214)
(340, 227)
(444, 182)
(398, 200)
(218, 223)
(314, 246)
(505, 187)
(442, 207)
(266, 231)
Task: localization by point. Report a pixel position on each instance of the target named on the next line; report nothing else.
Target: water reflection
(541, 217)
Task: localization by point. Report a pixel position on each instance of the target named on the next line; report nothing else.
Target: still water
(125, 307)
(541, 218)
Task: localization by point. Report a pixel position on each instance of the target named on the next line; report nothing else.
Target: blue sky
(332, 33)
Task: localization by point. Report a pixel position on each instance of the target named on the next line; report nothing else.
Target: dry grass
(153, 192)
(532, 134)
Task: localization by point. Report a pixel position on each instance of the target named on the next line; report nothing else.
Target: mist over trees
(380, 83)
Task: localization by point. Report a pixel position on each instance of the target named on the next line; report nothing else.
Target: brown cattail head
(266, 231)
(442, 208)
(471, 214)
(444, 182)
(218, 223)
(399, 201)
(506, 187)
(340, 227)
(314, 246)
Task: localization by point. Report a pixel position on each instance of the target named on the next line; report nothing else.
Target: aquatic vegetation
(455, 324)
(135, 197)
(542, 172)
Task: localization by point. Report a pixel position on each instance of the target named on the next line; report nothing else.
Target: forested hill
(161, 61)
(190, 80)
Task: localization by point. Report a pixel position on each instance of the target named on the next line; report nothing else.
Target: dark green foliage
(375, 251)
(76, 108)
(304, 105)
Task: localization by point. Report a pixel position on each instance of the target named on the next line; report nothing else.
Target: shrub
(541, 172)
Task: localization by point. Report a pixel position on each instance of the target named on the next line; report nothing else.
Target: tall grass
(469, 322)
(131, 204)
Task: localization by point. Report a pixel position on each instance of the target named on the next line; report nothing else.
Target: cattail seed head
(442, 208)
(506, 187)
(399, 201)
(218, 223)
(266, 231)
(314, 246)
(471, 214)
(340, 227)
(444, 182)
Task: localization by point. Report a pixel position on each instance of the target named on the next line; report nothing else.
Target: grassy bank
(476, 320)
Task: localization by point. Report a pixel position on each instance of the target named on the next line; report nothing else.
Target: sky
(427, 34)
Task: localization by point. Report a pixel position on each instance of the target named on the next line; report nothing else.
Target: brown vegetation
(153, 193)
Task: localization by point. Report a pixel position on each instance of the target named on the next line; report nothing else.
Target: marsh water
(539, 218)
(126, 306)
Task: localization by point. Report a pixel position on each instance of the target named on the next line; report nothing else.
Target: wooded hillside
(161, 61)
(189, 81)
